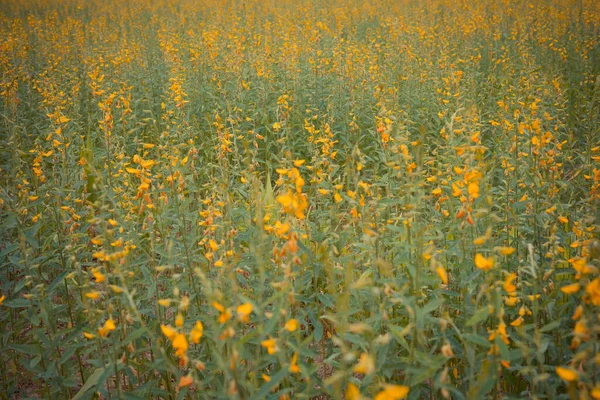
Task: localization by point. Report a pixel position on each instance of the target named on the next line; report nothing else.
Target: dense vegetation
(300, 199)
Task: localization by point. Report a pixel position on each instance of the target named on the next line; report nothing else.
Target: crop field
(311, 199)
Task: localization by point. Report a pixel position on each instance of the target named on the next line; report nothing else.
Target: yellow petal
(92, 295)
(567, 374)
(365, 365)
(218, 306)
(517, 322)
(442, 274)
(89, 336)
(509, 286)
(164, 302)
(185, 381)
(168, 331)
(511, 301)
(197, 332)
(505, 251)
(480, 240)
(180, 342)
(483, 262)
(352, 392)
(393, 392)
(244, 310)
(291, 325)
(570, 289)
(110, 324)
(294, 366)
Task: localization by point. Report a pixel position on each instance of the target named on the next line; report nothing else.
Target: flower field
(333, 199)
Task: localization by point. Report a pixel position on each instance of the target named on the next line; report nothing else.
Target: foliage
(250, 199)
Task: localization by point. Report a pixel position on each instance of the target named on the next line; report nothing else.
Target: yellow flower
(299, 182)
(570, 289)
(509, 286)
(365, 365)
(89, 336)
(293, 203)
(442, 274)
(291, 325)
(179, 320)
(224, 317)
(352, 392)
(580, 265)
(243, 311)
(581, 330)
(517, 322)
(164, 302)
(225, 314)
(270, 345)
(168, 331)
(501, 332)
(213, 245)
(483, 263)
(447, 350)
(147, 164)
(197, 332)
(281, 229)
(563, 220)
(185, 381)
(473, 189)
(505, 251)
(98, 276)
(578, 313)
(93, 295)
(218, 306)
(567, 374)
(116, 289)
(2, 299)
(480, 240)
(456, 190)
(294, 366)
(593, 291)
(108, 327)
(393, 392)
(180, 344)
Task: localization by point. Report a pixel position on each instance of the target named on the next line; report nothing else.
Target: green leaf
(317, 325)
(275, 379)
(91, 381)
(32, 349)
(17, 303)
(479, 316)
(133, 336)
(551, 326)
(477, 339)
